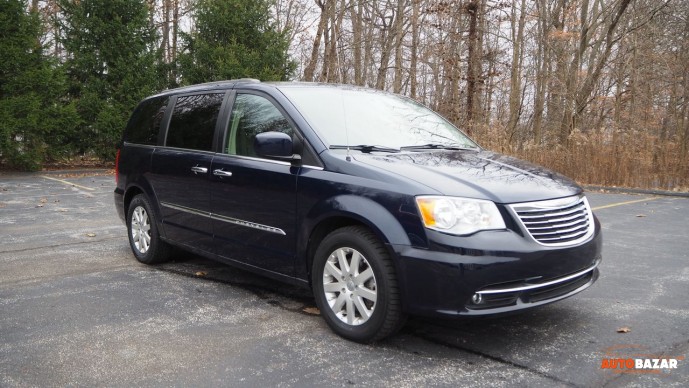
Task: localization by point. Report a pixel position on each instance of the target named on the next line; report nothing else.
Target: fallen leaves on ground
(312, 310)
(200, 274)
(624, 329)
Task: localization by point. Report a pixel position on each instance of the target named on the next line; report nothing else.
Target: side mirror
(275, 145)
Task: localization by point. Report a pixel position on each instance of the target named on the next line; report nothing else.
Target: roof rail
(207, 85)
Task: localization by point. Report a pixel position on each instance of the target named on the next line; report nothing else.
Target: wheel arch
(131, 192)
(348, 210)
(137, 188)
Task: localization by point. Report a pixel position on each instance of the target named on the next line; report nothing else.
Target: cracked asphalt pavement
(77, 309)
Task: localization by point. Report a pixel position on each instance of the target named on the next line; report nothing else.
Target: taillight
(117, 167)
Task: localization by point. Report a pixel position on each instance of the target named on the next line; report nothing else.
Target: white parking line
(626, 203)
(68, 183)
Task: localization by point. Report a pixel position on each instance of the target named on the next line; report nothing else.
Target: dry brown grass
(635, 160)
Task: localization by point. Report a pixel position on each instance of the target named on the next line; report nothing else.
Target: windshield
(357, 116)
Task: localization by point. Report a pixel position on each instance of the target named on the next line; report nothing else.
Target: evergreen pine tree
(34, 118)
(111, 64)
(234, 39)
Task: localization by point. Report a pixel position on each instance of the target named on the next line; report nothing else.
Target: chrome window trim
(230, 220)
(546, 284)
(139, 145)
(168, 148)
(223, 154)
(280, 162)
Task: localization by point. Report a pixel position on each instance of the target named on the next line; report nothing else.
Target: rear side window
(144, 125)
(193, 121)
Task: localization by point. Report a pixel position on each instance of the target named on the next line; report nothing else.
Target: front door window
(252, 115)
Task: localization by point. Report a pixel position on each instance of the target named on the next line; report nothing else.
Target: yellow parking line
(626, 203)
(68, 183)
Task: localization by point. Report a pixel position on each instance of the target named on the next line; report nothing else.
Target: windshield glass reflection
(357, 116)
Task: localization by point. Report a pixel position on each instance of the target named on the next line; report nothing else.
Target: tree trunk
(414, 48)
(584, 93)
(683, 108)
(367, 66)
(331, 75)
(474, 64)
(175, 33)
(399, 37)
(571, 82)
(165, 43)
(311, 67)
(555, 39)
(449, 92)
(355, 15)
(542, 72)
(386, 39)
(516, 69)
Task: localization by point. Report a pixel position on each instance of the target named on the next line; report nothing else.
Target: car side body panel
(185, 213)
(254, 212)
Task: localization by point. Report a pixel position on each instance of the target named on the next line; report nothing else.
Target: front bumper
(492, 272)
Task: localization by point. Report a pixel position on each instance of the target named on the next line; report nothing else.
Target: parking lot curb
(628, 190)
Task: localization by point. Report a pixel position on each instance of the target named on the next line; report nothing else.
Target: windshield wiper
(364, 148)
(437, 146)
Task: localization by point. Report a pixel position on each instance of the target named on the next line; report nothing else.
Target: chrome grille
(557, 222)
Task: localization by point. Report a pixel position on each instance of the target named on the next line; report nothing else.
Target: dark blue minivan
(379, 205)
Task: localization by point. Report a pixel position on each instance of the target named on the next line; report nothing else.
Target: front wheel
(142, 229)
(355, 286)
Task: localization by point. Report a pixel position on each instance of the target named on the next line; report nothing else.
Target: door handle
(198, 169)
(221, 172)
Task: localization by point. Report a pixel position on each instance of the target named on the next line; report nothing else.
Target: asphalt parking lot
(77, 309)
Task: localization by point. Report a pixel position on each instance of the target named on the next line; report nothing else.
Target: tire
(361, 304)
(142, 230)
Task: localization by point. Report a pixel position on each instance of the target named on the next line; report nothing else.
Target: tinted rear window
(144, 125)
(193, 121)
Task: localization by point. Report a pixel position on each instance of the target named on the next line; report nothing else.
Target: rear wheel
(142, 229)
(355, 286)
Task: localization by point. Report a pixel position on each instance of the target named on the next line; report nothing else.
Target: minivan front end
(457, 256)
(501, 271)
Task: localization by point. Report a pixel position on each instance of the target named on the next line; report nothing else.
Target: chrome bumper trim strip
(535, 286)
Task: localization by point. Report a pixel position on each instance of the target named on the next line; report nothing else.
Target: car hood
(476, 174)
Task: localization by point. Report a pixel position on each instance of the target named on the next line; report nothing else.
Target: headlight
(459, 215)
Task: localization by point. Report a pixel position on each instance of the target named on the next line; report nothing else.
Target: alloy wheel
(141, 229)
(349, 286)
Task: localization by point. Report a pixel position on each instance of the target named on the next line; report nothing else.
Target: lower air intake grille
(558, 222)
